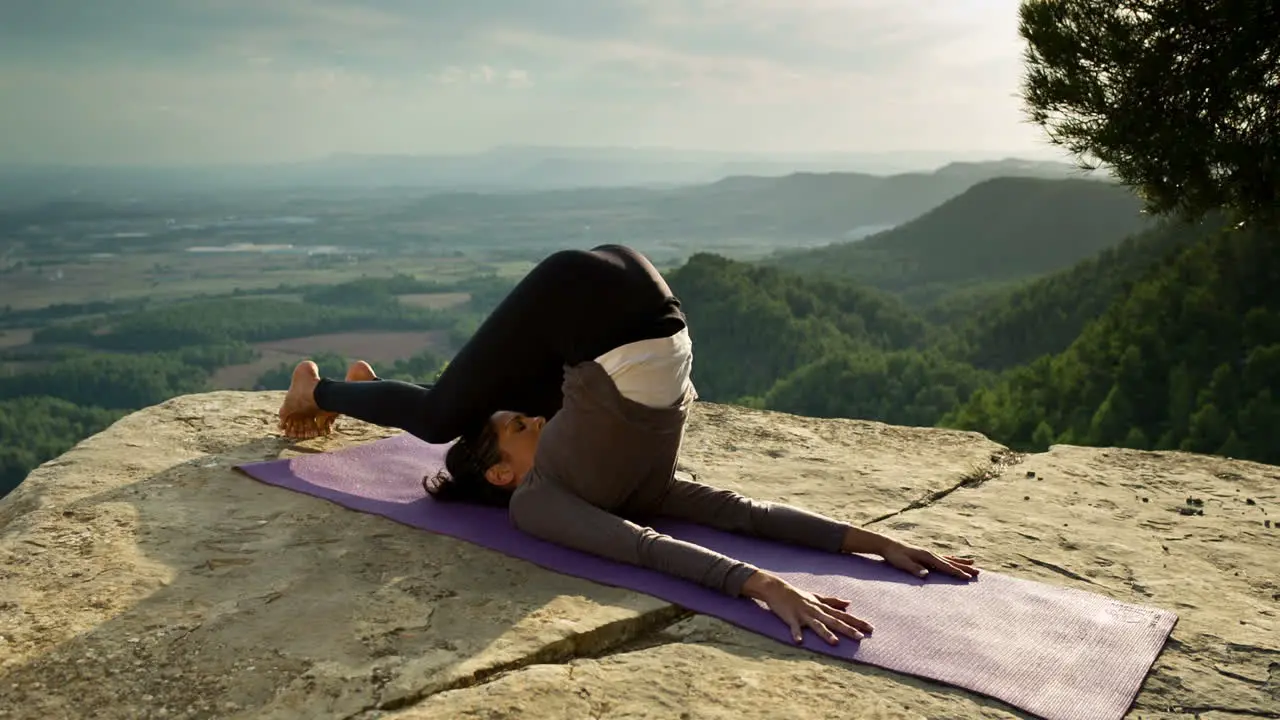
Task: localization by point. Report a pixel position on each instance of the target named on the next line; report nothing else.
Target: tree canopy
(1045, 316)
(1180, 99)
(1188, 359)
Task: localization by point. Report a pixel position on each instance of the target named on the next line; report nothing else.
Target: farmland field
(376, 347)
(435, 301)
(15, 337)
(166, 276)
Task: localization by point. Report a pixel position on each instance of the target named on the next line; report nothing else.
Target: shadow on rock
(216, 595)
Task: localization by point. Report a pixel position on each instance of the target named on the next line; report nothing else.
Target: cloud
(292, 78)
(484, 75)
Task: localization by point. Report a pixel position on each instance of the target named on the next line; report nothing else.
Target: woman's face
(518, 440)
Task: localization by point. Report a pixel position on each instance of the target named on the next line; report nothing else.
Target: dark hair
(465, 463)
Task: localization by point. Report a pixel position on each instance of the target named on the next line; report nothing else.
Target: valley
(917, 299)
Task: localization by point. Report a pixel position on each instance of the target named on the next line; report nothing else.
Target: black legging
(573, 306)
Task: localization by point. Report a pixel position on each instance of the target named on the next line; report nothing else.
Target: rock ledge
(141, 577)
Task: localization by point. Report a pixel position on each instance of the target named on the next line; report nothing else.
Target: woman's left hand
(920, 562)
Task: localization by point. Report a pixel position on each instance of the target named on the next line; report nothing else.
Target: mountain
(544, 168)
(1188, 358)
(1018, 167)
(832, 204)
(755, 215)
(1046, 315)
(754, 325)
(780, 210)
(823, 347)
(502, 169)
(999, 230)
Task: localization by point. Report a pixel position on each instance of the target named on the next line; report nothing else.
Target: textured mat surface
(1059, 653)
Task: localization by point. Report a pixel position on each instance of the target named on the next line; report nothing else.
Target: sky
(232, 81)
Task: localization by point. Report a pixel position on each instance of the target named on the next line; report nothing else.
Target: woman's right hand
(800, 609)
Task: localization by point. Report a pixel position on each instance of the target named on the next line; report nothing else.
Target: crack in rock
(1242, 678)
(1060, 570)
(1245, 712)
(978, 476)
(1243, 647)
(603, 641)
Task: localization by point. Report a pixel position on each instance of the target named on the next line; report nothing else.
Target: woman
(569, 407)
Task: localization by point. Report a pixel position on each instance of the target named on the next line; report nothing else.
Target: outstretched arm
(733, 512)
(547, 511)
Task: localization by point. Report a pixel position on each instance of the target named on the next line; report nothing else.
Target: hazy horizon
(197, 82)
(911, 160)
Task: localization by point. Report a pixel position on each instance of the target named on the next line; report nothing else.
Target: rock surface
(141, 577)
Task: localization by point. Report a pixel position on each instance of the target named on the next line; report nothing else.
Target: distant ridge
(524, 169)
(999, 230)
(795, 208)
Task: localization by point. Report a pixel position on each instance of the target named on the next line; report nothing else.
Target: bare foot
(299, 411)
(300, 416)
(359, 371)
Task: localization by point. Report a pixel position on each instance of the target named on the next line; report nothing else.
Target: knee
(569, 262)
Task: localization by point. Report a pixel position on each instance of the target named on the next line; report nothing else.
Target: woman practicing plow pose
(569, 407)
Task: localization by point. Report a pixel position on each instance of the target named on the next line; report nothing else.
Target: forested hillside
(1001, 230)
(1170, 340)
(1046, 315)
(823, 347)
(1188, 359)
(47, 428)
(752, 325)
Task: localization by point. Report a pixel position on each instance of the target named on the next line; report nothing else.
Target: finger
(797, 635)
(836, 603)
(832, 620)
(966, 563)
(943, 565)
(950, 567)
(821, 630)
(858, 623)
(854, 621)
(910, 565)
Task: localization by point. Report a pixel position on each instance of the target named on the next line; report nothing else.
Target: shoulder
(535, 491)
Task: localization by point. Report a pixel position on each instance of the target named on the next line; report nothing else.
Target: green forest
(88, 373)
(1169, 339)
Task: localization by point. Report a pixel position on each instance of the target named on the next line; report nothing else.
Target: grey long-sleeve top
(604, 462)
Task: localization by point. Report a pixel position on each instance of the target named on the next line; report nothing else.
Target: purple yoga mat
(1060, 653)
